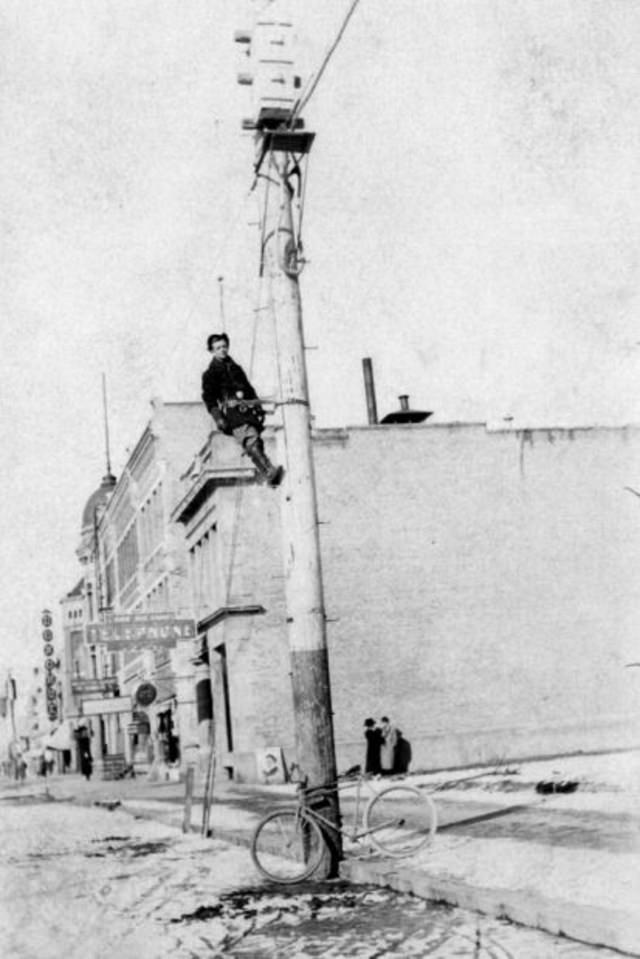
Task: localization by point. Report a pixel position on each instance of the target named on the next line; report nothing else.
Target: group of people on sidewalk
(388, 752)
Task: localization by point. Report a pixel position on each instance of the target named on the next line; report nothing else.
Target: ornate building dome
(98, 499)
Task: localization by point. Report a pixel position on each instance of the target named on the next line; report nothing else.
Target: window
(152, 523)
(157, 601)
(110, 584)
(206, 591)
(128, 556)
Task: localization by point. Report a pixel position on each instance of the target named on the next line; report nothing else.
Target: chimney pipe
(370, 391)
(404, 414)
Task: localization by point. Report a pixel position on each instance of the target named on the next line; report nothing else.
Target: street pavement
(565, 863)
(78, 881)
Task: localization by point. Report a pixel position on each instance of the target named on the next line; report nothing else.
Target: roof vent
(405, 415)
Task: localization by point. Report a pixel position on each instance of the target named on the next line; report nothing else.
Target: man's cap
(214, 337)
(369, 722)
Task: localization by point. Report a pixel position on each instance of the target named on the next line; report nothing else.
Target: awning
(60, 739)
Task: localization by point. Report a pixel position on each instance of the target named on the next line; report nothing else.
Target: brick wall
(496, 585)
(481, 589)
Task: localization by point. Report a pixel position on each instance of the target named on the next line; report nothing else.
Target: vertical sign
(50, 665)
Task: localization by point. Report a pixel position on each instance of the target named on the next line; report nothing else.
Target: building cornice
(226, 612)
(204, 484)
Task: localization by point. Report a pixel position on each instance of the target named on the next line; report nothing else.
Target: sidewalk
(564, 863)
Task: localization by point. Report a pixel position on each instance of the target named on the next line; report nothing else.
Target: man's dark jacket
(221, 382)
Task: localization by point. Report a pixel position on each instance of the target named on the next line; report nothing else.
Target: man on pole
(234, 405)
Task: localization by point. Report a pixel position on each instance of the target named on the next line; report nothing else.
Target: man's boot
(266, 470)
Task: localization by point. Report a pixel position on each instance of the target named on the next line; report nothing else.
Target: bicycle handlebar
(301, 779)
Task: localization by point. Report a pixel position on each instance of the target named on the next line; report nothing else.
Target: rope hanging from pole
(290, 257)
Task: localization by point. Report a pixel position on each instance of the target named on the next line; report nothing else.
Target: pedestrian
(373, 736)
(402, 758)
(234, 405)
(22, 768)
(86, 764)
(388, 748)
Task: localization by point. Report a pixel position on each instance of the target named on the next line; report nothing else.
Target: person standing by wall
(373, 736)
(388, 748)
(402, 758)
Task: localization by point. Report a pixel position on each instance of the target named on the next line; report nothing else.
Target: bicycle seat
(351, 773)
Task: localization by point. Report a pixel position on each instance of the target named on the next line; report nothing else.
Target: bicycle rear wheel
(287, 846)
(402, 820)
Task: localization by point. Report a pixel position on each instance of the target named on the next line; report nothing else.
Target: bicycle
(289, 844)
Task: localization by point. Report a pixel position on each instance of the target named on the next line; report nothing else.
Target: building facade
(480, 589)
(82, 668)
(134, 565)
(141, 570)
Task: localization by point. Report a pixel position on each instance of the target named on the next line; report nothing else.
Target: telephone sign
(145, 694)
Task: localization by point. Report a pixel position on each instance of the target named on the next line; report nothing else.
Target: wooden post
(188, 797)
(207, 798)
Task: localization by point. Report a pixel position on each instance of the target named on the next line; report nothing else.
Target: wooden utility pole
(282, 148)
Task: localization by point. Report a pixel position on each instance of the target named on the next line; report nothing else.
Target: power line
(305, 99)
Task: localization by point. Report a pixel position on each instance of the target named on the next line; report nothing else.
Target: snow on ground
(78, 883)
(81, 882)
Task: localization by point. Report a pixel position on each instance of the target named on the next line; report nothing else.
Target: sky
(471, 224)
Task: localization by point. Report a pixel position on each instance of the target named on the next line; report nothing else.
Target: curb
(593, 925)
(226, 835)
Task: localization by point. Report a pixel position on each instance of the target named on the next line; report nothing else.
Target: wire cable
(305, 99)
(239, 491)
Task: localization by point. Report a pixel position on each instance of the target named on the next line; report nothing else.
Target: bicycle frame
(287, 845)
(353, 834)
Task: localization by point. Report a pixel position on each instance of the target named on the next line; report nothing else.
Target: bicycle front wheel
(401, 820)
(287, 846)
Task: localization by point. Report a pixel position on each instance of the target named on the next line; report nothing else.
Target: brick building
(142, 570)
(80, 663)
(133, 562)
(480, 589)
